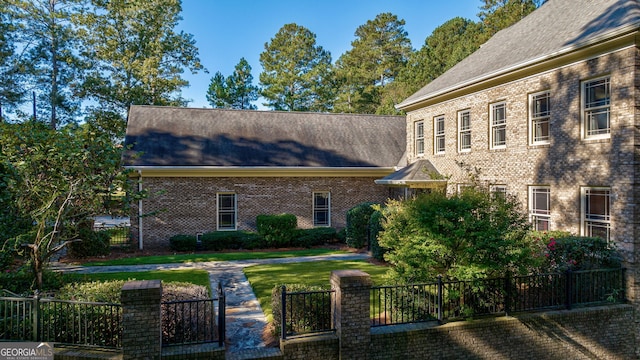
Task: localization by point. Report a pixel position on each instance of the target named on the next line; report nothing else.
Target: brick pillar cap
(142, 284)
(350, 276)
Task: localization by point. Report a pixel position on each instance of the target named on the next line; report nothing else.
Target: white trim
(416, 148)
(235, 210)
(583, 210)
(532, 203)
(437, 135)
(313, 208)
(492, 126)
(140, 233)
(583, 109)
(532, 118)
(461, 113)
(260, 171)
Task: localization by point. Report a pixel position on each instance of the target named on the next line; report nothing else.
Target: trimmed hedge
(183, 242)
(277, 230)
(233, 240)
(316, 236)
(357, 224)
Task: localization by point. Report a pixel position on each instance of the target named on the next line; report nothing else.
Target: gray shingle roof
(171, 136)
(556, 27)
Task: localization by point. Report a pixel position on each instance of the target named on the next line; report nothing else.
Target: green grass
(264, 277)
(187, 258)
(194, 276)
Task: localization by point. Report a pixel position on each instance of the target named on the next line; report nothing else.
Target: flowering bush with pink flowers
(560, 250)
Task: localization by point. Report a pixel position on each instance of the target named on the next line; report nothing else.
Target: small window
(464, 131)
(596, 104)
(419, 128)
(227, 211)
(539, 115)
(596, 212)
(321, 208)
(438, 135)
(498, 127)
(498, 191)
(540, 207)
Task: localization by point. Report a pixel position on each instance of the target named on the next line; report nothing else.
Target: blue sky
(227, 30)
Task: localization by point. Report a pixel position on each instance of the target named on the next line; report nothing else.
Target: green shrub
(93, 243)
(319, 307)
(228, 240)
(313, 237)
(559, 251)
(21, 280)
(375, 226)
(183, 242)
(277, 230)
(357, 224)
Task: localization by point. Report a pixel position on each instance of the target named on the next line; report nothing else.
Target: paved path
(244, 316)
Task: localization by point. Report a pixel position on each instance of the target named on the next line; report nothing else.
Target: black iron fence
(100, 324)
(450, 300)
(119, 235)
(60, 321)
(194, 321)
(305, 312)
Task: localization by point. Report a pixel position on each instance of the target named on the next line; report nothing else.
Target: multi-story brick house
(548, 110)
(210, 169)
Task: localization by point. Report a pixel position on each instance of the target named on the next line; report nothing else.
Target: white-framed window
(498, 191)
(464, 131)
(321, 208)
(227, 211)
(438, 135)
(539, 116)
(498, 125)
(419, 136)
(596, 212)
(540, 207)
(596, 108)
(462, 186)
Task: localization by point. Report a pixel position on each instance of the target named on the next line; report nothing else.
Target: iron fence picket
(305, 312)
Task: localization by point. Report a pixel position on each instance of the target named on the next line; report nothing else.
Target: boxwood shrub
(357, 224)
(223, 240)
(375, 226)
(93, 243)
(316, 236)
(277, 230)
(183, 242)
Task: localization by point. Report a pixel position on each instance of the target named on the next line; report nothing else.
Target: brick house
(212, 169)
(548, 110)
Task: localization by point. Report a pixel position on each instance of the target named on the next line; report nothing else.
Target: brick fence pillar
(351, 312)
(141, 320)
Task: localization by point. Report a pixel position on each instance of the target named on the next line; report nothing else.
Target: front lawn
(188, 258)
(264, 277)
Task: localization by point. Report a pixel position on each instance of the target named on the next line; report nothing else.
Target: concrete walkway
(244, 316)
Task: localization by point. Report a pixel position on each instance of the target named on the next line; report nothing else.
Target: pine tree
(235, 92)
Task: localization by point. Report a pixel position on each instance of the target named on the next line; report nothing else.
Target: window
(498, 126)
(464, 131)
(596, 212)
(438, 135)
(419, 137)
(596, 103)
(498, 191)
(540, 207)
(227, 211)
(539, 115)
(321, 208)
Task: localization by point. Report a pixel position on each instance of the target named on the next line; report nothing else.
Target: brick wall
(187, 205)
(141, 319)
(568, 162)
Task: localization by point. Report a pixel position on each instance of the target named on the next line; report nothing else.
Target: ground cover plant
(203, 257)
(193, 276)
(263, 278)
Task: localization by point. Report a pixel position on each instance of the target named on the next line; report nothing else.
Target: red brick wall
(187, 205)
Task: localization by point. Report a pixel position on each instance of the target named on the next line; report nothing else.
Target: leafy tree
(234, 92)
(500, 14)
(296, 71)
(57, 181)
(11, 87)
(49, 41)
(449, 44)
(137, 56)
(381, 49)
(467, 236)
